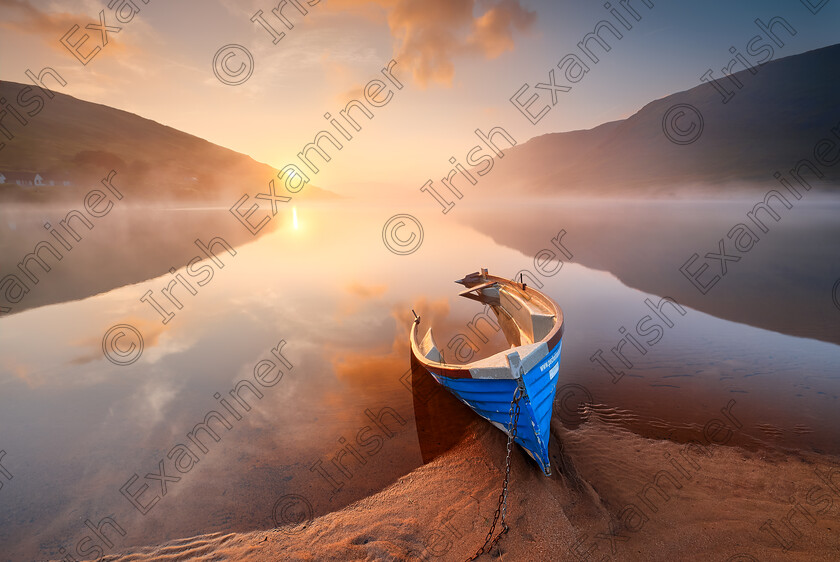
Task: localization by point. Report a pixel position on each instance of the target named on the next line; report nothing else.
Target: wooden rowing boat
(533, 326)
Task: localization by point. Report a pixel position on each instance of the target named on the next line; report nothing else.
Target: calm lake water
(77, 428)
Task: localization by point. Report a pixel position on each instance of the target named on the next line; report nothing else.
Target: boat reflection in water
(533, 326)
(440, 418)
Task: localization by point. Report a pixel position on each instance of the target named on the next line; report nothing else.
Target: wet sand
(600, 503)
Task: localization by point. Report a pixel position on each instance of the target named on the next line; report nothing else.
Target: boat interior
(525, 316)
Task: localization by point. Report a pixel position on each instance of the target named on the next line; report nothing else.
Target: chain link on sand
(501, 509)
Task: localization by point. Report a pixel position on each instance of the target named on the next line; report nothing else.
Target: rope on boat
(501, 509)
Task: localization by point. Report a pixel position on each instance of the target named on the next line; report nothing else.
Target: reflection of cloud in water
(361, 294)
(151, 332)
(149, 404)
(366, 291)
(364, 368)
(23, 372)
(347, 321)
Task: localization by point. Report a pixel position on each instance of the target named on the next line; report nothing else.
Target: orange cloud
(493, 32)
(22, 17)
(429, 34)
(339, 74)
(31, 20)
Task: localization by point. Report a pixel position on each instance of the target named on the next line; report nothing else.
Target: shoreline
(607, 497)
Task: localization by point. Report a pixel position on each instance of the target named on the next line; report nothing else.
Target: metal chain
(501, 509)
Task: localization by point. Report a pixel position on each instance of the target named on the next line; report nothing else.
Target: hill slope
(770, 124)
(158, 169)
(80, 141)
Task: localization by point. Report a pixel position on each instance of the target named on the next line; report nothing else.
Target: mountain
(71, 145)
(770, 124)
(69, 140)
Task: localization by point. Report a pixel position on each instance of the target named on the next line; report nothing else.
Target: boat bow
(533, 326)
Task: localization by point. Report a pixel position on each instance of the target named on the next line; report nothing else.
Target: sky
(459, 62)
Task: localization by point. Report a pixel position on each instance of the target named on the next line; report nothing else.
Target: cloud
(493, 32)
(430, 34)
(338, 74)
(21, 16)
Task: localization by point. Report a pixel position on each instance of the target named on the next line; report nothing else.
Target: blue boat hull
(491, 399)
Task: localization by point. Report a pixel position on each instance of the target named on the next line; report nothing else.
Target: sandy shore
(710, 504)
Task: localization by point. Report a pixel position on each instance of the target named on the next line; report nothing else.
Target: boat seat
(541, 324)
(534, 322)
(498, 367)
(429, 349)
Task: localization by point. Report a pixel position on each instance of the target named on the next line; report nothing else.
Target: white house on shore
(30, 179)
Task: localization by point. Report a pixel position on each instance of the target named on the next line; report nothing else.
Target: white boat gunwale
(483, 287)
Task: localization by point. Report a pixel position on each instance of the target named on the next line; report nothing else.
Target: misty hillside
(770, 124)
(78, 141)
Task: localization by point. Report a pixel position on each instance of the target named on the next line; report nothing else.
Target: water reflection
(441, 419)
(349, 417)
(132, 243)
(783, 283)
